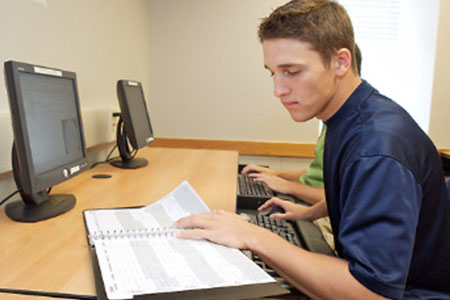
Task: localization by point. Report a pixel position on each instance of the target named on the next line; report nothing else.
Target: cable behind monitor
(128, 159)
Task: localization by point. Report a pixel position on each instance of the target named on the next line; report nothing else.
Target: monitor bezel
(33, 183)
(126, 116)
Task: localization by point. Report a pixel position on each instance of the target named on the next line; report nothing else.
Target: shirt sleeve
(380, 204)
(314, 173)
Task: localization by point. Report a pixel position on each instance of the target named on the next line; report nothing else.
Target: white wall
(440, 105)
(392, 42)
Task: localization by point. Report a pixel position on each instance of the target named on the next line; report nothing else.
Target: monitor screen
(134, 125)
(52, 121)
(49, 145)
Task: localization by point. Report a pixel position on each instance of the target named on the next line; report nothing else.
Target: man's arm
(290, 175)
(285, 174)
(293, 211)
(317, 275)
(303, 192)
(286, 182)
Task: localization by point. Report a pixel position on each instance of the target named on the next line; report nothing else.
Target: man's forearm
(317, 275)
(306, 193)
(289, 174)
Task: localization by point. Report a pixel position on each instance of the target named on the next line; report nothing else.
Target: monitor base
(130, 164)
(55, 206)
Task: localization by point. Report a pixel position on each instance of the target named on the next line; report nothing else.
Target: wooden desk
(445, 154)
(53, 256)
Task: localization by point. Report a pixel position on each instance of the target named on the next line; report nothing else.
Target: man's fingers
(192, 234)
(194, 221)
(249, 168)
(268, 203)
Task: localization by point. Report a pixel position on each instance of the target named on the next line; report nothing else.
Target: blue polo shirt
(387, 199)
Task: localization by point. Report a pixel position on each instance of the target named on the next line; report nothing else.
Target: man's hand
(320, 276)
(292, 211)
(257, 169)
(275, 183)
(220, 227)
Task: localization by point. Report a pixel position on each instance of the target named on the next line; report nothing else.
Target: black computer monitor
(134, 125)
(49, 145)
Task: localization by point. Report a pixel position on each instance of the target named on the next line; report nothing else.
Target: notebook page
(159, 262)
(182, 201)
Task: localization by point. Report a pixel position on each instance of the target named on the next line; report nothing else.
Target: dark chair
(448, 186)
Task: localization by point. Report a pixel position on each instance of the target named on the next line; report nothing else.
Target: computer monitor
(134, 125)
(49, 145)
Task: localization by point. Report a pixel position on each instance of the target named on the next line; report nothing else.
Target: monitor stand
(130, 164)
(127, 159)
(56, 205)
(35, 207)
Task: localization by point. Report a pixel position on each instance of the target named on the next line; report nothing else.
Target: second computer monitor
(134, 127)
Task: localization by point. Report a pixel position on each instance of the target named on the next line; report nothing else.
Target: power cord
(9, 196)
(108, 158)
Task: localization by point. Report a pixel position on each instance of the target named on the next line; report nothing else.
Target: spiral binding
(158, 232)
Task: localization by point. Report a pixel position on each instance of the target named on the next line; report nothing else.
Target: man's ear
(343, 61)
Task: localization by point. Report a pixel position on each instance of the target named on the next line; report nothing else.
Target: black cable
(111, 152)
(133, 154)
(9, 196)
(108, 158)
(46, 294)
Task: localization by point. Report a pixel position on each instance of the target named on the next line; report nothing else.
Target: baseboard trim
(243, 147)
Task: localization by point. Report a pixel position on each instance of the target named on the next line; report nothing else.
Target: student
(306, 185)
(384, 182)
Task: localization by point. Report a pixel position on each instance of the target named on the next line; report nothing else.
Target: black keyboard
(303, 234)
(249, 187)
(250, 193)
(280, 227)
(285, 230)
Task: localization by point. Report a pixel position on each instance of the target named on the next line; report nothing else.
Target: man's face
(302, 82)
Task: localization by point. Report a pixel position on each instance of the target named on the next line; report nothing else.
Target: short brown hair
(323, 23)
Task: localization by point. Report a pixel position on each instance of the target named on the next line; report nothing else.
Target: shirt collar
(351, 104)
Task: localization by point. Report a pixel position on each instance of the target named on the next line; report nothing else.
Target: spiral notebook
(137, 255)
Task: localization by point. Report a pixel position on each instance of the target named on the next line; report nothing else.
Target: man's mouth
(289, 104)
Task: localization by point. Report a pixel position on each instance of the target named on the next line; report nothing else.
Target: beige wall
(207, 78)
(440, 106)
(199, 60)
(101, 40)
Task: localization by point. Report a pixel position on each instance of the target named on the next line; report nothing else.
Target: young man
(384, 184)
(306, 185)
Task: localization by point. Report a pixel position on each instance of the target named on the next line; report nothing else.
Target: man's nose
(280, 89)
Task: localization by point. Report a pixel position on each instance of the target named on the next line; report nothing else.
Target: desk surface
(53, 256)
(445, 153)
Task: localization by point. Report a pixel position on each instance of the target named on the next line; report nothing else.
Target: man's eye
(291, 73)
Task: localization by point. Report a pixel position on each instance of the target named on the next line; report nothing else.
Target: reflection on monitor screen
(134, 127)
(49, 146)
